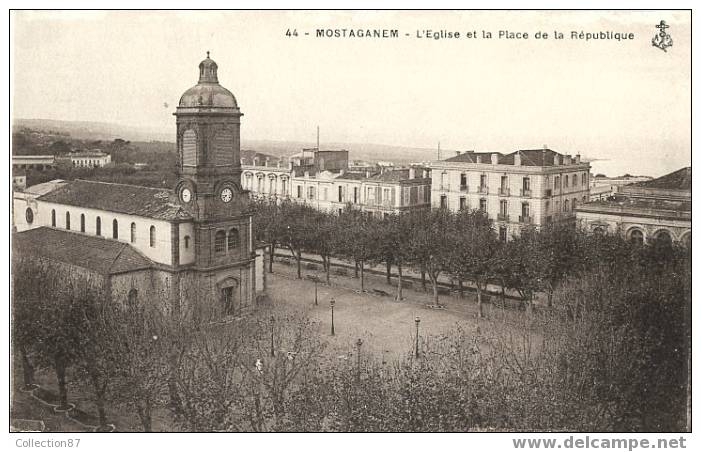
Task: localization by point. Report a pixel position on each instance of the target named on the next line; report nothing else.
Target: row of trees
(462, 246)
(611, 355)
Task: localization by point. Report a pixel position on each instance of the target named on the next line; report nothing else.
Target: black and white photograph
(350, 221)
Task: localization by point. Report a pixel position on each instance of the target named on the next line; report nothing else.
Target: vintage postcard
(472, 221)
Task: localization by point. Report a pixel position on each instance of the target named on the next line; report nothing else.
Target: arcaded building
(182, 246)
(658, 209)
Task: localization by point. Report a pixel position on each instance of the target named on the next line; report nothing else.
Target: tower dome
(208, 93)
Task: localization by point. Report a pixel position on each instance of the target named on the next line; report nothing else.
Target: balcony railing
(483, 189)
(503, 217)
(444, 187)
(464, 188)
(526, 193)
(504, 191)
(525, 219)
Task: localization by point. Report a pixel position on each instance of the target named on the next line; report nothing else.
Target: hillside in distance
(88, 130)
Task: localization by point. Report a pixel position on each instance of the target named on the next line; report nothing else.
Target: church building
(190, 244)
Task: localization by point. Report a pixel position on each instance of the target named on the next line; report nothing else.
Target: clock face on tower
(186, 195)
(226, 194)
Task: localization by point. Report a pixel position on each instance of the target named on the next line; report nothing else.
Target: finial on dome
(208, 70)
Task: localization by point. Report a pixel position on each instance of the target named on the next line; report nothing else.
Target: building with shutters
(320, 179)
(187, 245)
(520, 189)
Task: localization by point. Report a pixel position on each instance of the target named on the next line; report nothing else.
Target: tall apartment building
(526, 187)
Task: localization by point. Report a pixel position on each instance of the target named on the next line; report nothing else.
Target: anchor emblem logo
(662, 39)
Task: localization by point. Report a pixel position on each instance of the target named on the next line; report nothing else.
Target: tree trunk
(399, 283)
(362, 276)
(27, 368)
(298, 258)
(550, 298)
(102, 416)
(503, 301)
(356, 268)
(461, 289)
(327, 267)
(175, 402)
(423, 279)
(479, 299)
(60, 368)
(145, 414)
(389, 272)
(272, 257)
(434, 283)
(529, 304)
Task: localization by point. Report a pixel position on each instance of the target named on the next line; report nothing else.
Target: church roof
(101, 255)
(156, 203)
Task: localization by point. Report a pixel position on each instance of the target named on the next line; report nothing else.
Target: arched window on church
(115, 229)
(53, 218)
(152, 236)
(68, 221)
(82, 222)
(132, 298)
(232, 241)
(636, 236)
(219, 241)
(133, 232)
(98, 226)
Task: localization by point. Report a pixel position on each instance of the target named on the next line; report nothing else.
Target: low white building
(89, 159)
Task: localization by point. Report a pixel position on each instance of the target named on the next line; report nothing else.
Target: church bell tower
(209, 173)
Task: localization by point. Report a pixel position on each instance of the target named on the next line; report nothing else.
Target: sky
(625, 102)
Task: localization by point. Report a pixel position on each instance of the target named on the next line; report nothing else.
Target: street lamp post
(417, 320)
(359, 344)
(272, 336)
(333, 302)
(316, 298)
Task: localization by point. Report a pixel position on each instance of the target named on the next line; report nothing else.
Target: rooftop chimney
(412, 173)
(457, 153)
(367, 174)
(557, 160)
(577, 158)
(255, 161)
(267, 161)
(479, 158)
(568, 159)
(425, 174)
(495, 159)
(517, 158)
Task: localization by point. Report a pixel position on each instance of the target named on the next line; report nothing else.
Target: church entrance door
(231, 300)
